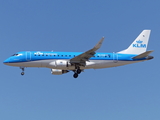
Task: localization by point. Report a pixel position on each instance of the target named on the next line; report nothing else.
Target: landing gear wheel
(78, 71)
(22, 68)
(75, 75)
(22, 73)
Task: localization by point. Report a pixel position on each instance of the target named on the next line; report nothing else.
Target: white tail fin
(139, 45)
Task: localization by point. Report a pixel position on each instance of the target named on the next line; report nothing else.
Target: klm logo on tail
(139, 44)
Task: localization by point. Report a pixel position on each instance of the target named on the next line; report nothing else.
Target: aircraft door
(115, 57)
(28, 55)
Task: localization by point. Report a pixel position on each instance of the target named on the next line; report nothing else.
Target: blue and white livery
(63, 62)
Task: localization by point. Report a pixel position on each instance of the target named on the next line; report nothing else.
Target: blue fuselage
(28, 56)
(61, 60)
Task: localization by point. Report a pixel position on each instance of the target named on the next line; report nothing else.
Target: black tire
(75, 75)
(22, 73)
(78, 71)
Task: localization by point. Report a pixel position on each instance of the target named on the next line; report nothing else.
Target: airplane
(64, 62)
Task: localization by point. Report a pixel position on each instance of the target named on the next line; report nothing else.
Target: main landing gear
(22, 73)
(76, 72)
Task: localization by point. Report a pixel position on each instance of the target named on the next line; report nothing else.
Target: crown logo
(139, 42)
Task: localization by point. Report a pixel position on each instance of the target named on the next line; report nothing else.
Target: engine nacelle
(60, 64)
(58, 71)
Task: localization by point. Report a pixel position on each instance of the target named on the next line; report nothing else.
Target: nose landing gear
(22, 73)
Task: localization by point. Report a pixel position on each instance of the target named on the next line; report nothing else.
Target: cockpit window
(16, 54)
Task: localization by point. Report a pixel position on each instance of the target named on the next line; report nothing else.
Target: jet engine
(60, 64)
(58, 71)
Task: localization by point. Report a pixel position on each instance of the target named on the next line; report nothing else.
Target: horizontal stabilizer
(143, 55)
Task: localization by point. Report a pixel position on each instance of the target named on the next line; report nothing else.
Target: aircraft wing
(82, 58)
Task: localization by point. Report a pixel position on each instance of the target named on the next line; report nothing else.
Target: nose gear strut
(22, 73)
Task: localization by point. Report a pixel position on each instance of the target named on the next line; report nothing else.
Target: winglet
(82, 58)
(98, 45)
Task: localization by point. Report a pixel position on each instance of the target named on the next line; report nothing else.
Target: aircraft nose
(6, 61)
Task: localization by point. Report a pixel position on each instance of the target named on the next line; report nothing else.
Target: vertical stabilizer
(139, 45)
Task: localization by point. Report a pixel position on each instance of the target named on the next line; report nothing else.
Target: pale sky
(128, 92)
